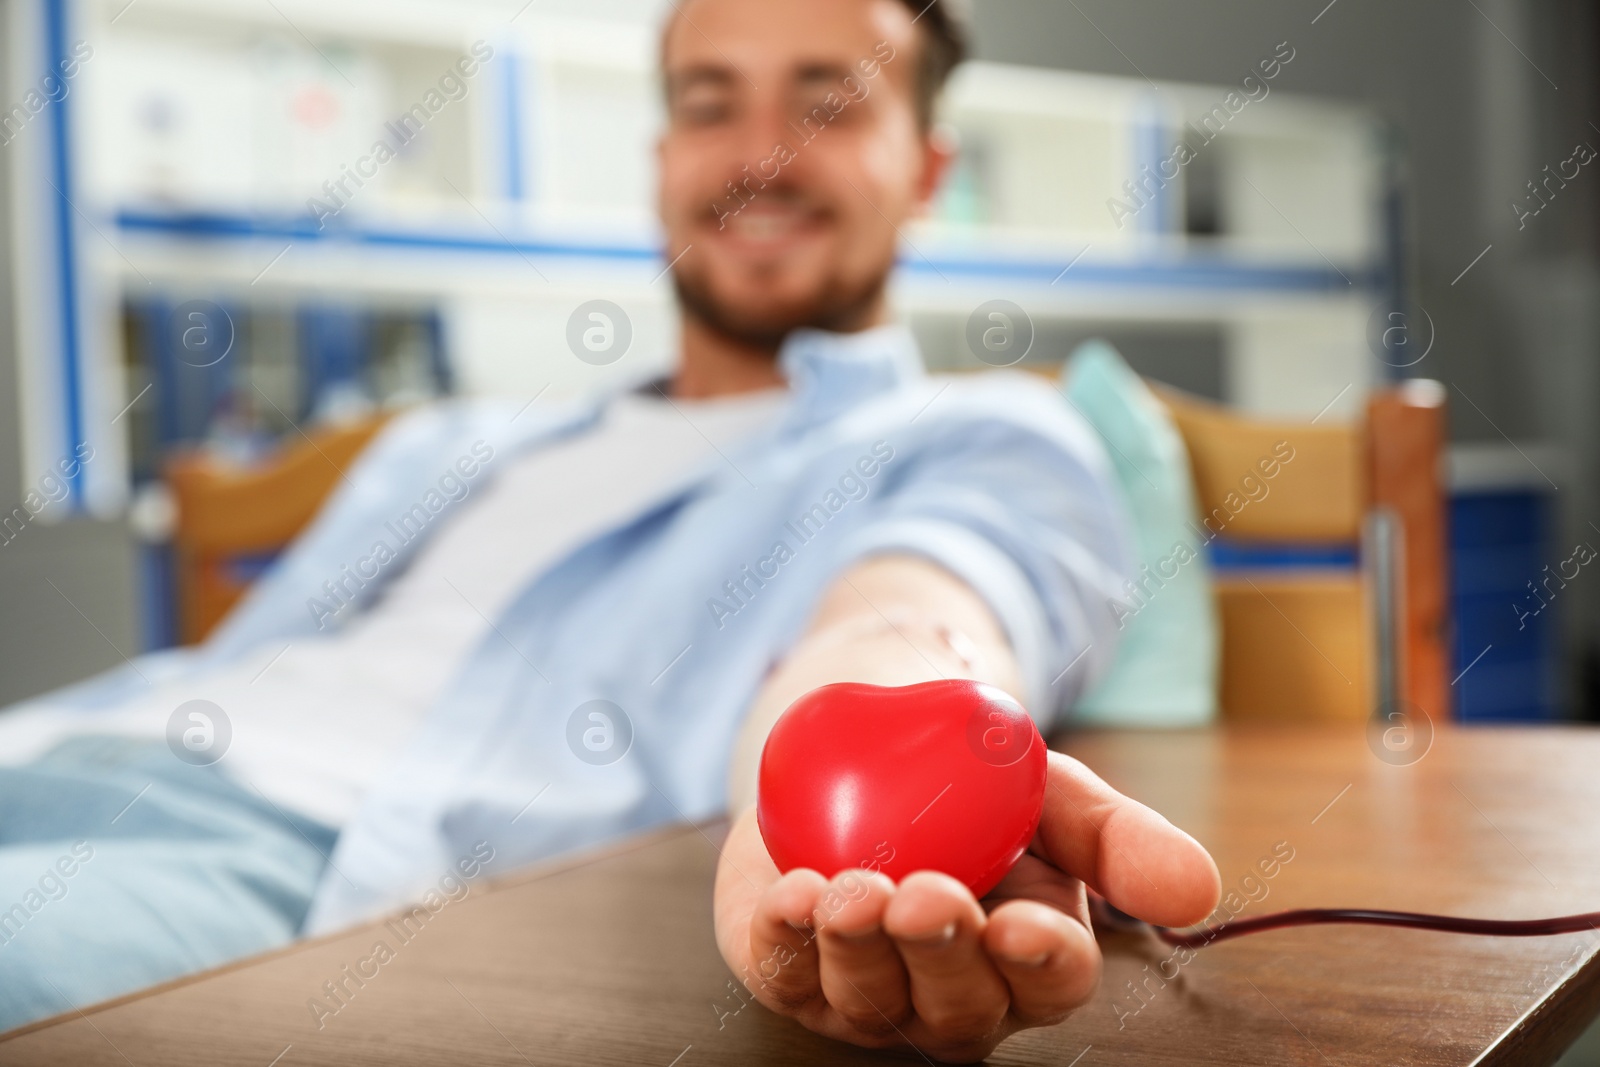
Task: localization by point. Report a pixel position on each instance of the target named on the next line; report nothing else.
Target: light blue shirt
(673, 618)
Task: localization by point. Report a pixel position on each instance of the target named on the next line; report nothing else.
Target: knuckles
(965, 1027)
(868, 1021)
(792, 1000)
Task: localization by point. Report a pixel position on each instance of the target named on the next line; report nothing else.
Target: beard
(838, 307)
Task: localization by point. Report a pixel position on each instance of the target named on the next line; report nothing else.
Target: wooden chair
(232, 521)
(1317, 642)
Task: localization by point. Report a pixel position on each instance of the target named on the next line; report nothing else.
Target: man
(595, 614)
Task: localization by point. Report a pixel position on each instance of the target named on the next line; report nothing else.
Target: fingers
(863, 977)
(1050, 962)
(1128, 853)
(882, 961)
(783, 970)
(959, 996)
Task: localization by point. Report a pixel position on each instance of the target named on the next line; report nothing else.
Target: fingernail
(938, 938)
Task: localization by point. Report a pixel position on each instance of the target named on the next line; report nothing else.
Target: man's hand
(923, 964)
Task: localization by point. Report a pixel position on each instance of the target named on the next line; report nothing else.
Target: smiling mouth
(772, 222)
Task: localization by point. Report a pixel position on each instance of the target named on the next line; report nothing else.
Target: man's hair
(943, 25)
(944, 46)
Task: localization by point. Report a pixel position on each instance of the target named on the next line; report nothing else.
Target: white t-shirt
(316, 722)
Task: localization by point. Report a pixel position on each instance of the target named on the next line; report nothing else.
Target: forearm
(889, 621)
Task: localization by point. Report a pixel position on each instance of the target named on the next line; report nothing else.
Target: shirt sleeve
(1021, 504)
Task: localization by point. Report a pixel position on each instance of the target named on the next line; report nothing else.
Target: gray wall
(1478, 120)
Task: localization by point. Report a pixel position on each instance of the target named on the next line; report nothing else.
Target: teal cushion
(1164, 672)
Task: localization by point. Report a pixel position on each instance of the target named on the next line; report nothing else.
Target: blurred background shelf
(492, 165)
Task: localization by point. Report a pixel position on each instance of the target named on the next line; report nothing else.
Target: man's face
(807, 107)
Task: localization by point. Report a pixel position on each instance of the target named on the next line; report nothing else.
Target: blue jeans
(122, 866)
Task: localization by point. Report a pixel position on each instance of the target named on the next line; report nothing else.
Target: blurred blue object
(1501, 541)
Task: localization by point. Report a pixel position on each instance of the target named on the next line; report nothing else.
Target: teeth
(763, 225)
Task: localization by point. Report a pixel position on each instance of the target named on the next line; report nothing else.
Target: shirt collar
(829, 373)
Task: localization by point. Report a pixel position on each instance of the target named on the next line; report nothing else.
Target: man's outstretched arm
(923, 963)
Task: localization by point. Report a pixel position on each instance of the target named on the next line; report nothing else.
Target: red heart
(946, 776)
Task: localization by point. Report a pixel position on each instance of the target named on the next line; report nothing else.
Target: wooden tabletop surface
(611, 960)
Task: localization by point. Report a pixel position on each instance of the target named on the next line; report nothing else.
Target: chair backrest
(232, 521)
(1289, 505)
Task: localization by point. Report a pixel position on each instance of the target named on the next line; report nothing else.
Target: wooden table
(611, 960)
